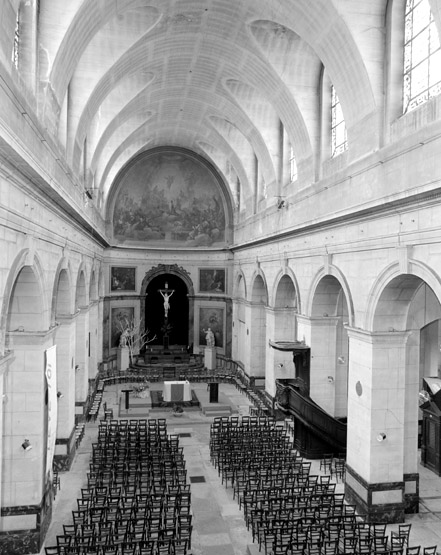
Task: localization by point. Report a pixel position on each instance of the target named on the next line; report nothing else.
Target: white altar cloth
(176, 391)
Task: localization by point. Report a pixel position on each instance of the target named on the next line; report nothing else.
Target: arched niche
(181, 313)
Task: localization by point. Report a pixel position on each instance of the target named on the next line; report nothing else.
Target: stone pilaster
(375, 479)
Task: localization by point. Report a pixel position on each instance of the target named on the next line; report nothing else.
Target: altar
(177, 391)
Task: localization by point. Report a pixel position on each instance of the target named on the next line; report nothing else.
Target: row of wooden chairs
(127, 508)
(80, 430)
(94, 410)
(288, 517)
(334, 465)
(225, 423)
(161, 546)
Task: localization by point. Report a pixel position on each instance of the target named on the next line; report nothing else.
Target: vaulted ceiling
(218, 77)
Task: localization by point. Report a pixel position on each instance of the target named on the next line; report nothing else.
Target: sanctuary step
(169, 372)
(174, 354)
(216, 410)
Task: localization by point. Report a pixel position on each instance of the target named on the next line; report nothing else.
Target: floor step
(217, 410)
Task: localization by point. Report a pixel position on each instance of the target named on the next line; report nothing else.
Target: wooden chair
(338, 469)
(56, 482)
(378, 530)
(364, 546)
(329, 547)
(431, 550)
(380, 544)
(397, 544)
(326, 462)
(414, 550)
(402, 532)
(64, 542)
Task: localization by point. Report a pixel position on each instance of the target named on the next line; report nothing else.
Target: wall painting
(212, 280)
(169, 198)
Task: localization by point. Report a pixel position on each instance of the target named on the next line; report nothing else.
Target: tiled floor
(219, 528)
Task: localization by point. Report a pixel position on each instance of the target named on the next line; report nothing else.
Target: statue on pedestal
(123, 340)
(209, 337)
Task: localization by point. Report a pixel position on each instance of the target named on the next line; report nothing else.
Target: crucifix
(166, 293)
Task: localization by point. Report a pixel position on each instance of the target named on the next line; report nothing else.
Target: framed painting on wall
(118, 316)
(122, 279)
(212, 280)
(212, 318)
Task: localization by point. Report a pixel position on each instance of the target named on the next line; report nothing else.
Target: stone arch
(258, 324)
(175, 271)
(62, 299)
(25, 307)
(94, 284)
(82, 330)
(239, 326)
(259, 288)
(404, 313)
(376, 295)
(281, 281)
(25, 322)
(285, 308)
(25, 259)
(330, 309)
(240, 286)
(81, 288)
(339, 277)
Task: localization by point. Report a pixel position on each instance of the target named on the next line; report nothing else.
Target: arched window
(292, 165)
(339, 139)
(16, 45)
(422, 55)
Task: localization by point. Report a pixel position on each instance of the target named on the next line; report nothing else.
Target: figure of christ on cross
(166, 293)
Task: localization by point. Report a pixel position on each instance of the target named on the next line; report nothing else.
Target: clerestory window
(16, 45)
(292, 165)
(339, 139)
(422, 55)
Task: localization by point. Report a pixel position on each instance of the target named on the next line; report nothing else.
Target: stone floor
(219, 528)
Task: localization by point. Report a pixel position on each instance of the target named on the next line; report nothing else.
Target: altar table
(178, 391)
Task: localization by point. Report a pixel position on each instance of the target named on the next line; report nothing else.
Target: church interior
(243, 196)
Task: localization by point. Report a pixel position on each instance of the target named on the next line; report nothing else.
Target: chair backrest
(378, 529)
(397, 542)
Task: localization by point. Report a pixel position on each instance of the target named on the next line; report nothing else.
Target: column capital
(66, 319)
(377, 337)
(29, 338)
(319, 320)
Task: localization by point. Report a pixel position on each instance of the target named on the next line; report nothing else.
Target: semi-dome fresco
(169, 197)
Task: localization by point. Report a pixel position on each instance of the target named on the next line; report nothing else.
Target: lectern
(214, 392)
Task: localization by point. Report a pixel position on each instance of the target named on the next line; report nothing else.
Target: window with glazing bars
(422, 55)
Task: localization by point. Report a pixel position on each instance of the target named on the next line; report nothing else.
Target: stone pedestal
(122, 358)
(210, 358)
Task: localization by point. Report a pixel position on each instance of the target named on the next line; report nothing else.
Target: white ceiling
(213, 76)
